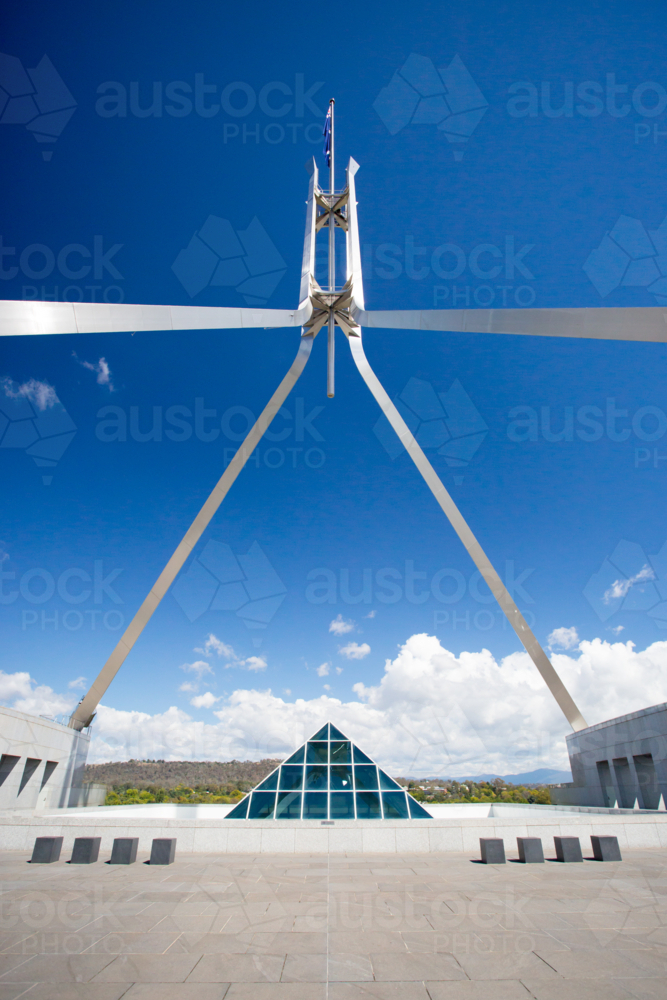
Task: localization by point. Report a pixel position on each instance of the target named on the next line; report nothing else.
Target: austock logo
(219, 257)
(218, 580)
(630, 257)
(36, 98)
(447, 422)
(630, 580)
(420, 94)
(33, 419)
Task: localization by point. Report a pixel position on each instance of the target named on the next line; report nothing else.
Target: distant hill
(170, 773)
(541, 776)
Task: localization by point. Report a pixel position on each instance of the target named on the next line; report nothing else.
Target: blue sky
(532, 193)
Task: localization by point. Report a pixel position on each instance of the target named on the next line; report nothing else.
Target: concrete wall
(197, 834)
(42, 762)
(91, 794)
(618, 762)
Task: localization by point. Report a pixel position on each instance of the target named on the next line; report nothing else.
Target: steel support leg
(474, 549)
(86, 708)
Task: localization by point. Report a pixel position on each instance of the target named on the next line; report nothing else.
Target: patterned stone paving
(356, 927)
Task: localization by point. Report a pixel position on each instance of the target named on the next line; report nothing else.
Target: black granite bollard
(530, 850)
(568, 849)
(163, 851)
(606, 849)
(124, 850)
(86, 850)
(492, 850)
(46, 850)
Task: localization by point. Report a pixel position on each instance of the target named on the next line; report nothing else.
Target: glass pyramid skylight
(328, 778)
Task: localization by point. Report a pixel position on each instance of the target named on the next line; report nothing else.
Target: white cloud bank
(430, 713)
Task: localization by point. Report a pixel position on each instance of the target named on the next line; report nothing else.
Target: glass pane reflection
(288, 805)
(291, 776)
(395, 805)
(368, 805)
(341, 778)
(315, 805)
(317, 753)
(316, 777)
(342, 805)
(366, 776)
(341, 753)
(261, 805)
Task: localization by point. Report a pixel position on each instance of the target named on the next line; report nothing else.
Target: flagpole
(331, 344)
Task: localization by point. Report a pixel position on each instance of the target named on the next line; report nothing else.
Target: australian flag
(327, 137)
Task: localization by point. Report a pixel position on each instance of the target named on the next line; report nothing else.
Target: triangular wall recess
(328, 778)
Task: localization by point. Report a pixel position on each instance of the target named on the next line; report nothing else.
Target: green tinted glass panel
(368, 805)
(360, 757)
(297, 757)
(365, 776)
(261, 805)
(395, 805)
(240, 811)
(291, 776)
(335, 734)
(288, 805)
(315, 805)
(342, 805)
(387, 782)
(317, 753)
(316, 777)
(417, 811)
(322, 734)
(341, 753)
(269, 783)
(341, 778)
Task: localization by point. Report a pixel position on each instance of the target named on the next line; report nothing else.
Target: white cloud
(327, 687)
(206, 700)
(188, 688)
(323, 670)
(78, 684)
(354, 651)
(619, 588)
(40, 394)
(339, 670)
(287, 691)
(563, 638)
(339, 626)
(617, 629)
(255, 663)
(4, 554)
(199, 667)
(215, 645)
(371, 614)
(431, 712)
(100, 368)
(21, 691)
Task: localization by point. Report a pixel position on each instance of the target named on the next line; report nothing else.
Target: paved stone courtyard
(389, 927)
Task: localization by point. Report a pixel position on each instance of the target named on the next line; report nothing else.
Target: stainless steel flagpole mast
(331, 343)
